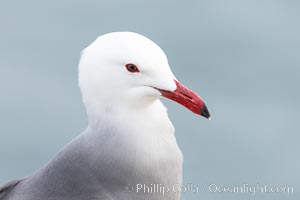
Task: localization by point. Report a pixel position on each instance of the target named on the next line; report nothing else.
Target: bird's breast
(139, 149)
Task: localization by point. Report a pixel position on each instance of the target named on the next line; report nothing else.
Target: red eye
(132, 68)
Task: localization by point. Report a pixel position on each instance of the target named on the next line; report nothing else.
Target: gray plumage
(6, 189)
(85, 169)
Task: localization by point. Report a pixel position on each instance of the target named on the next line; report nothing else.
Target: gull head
(127, 70)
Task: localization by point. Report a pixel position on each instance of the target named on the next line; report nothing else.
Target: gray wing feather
(8, 187)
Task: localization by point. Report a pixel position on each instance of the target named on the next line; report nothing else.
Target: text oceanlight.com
(248, 189)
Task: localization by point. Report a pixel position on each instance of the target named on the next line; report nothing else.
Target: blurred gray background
(241, 56)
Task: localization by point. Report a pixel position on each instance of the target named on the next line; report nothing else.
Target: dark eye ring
(132, 68)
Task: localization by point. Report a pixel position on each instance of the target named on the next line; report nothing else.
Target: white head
(128, 70)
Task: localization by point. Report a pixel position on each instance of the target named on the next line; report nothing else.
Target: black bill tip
(204, 112)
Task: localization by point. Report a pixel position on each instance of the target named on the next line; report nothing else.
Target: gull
(128, 150)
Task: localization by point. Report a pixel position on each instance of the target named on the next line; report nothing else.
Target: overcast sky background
(241, 56)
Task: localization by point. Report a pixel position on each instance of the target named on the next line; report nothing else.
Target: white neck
(151, 114)
(139, 146)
